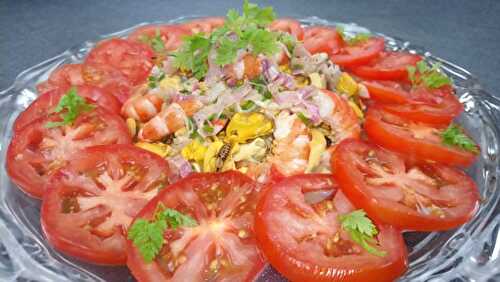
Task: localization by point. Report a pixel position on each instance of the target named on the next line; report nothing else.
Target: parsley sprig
(245, 31)
(147, 235)
(429, 76)
(154, 41)
(361, 230)
(71, 105)
(454, 136)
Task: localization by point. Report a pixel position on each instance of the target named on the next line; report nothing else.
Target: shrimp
(247, 67)
(143, 105)
(171, 118)
(291, 150)
(338, 115)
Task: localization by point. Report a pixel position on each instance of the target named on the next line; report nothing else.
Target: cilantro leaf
(247, 105)
(304, 119)
(260, 16)
(361, 230)
(71, 105)
(226, 52)
(193, 55)
(147, 236)
(262, 41)
(454, 136)
(154, 41)
(431, 77)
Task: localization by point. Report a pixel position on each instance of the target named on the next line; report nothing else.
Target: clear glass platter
(470, 253)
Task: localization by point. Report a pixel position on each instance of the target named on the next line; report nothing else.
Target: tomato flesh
(92, 200)
(358, 54)
(415, 140)
(320, 39)
(36, 151)
(423, 197)
(171, 35)
(221, 248)
(132, 59)
(388, 66)
(299, 231)
(290, 26)
(204, 25)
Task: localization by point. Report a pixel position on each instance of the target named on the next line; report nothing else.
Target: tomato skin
(24, 149)
(387, 66)
(62, 77)
(319, 39)
(297, 268)
(288, 25)
(46, 103)
(204, 25)
(77, 241)
(132, 59)
(174, 196)
(356, 55)
(431, 106)
(391, 137)
(171, 35)
(352, 184)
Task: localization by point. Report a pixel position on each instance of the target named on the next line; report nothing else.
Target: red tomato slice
(414, 140)
(420, 104)
(63, 77)
(426, 197)
(288, 25)
(204, 25)
(45, 104)
(299, 231)
(171, 35)
(221, 248)
(388, 66)
(319, 39)
(92, 200)
(109, 79)
(134, 60)
(362, 53)
(36, 151)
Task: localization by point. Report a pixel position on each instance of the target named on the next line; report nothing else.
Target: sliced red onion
(214, 72)
(180, 165)
(168, 66)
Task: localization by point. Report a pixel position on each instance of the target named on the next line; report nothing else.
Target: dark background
(465, 32)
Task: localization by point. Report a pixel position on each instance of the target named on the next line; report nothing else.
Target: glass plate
(470, 253)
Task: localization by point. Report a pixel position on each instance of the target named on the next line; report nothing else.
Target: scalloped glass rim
(469, 253)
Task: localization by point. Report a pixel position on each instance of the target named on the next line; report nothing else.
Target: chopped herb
(154, 80)
(454, 136)
(212, 117)
(73, 105)
(247, 105)
(208, 129)
(154, 41)
(431, 77)
(260, 85)
(361, 230)
(304, 119)
(288, 40)
(147, 235)
(193, 55)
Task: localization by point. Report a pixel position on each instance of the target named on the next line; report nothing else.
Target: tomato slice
(299, 231)
(426, 197)
(221, 248)
(132, 59)
(414, 140)
(358, 54)
(288, 25)
(388, 66)
(109, 79)
(420, 104)
(46, 103)
(36, 151)
(171, 35)
(92, 200)
(63, 77)
(204, 25)
(319, 39)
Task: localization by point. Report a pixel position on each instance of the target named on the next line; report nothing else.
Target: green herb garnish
(147, 235)
(361, 230)
(154, 41)
(208, 129)
(454, 136)
(431, 77)
(154, 80)
(193, 55)
(71, 105)
(304, 119)
(247, 105)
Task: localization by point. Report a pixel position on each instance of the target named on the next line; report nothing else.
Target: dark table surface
(465, 32)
